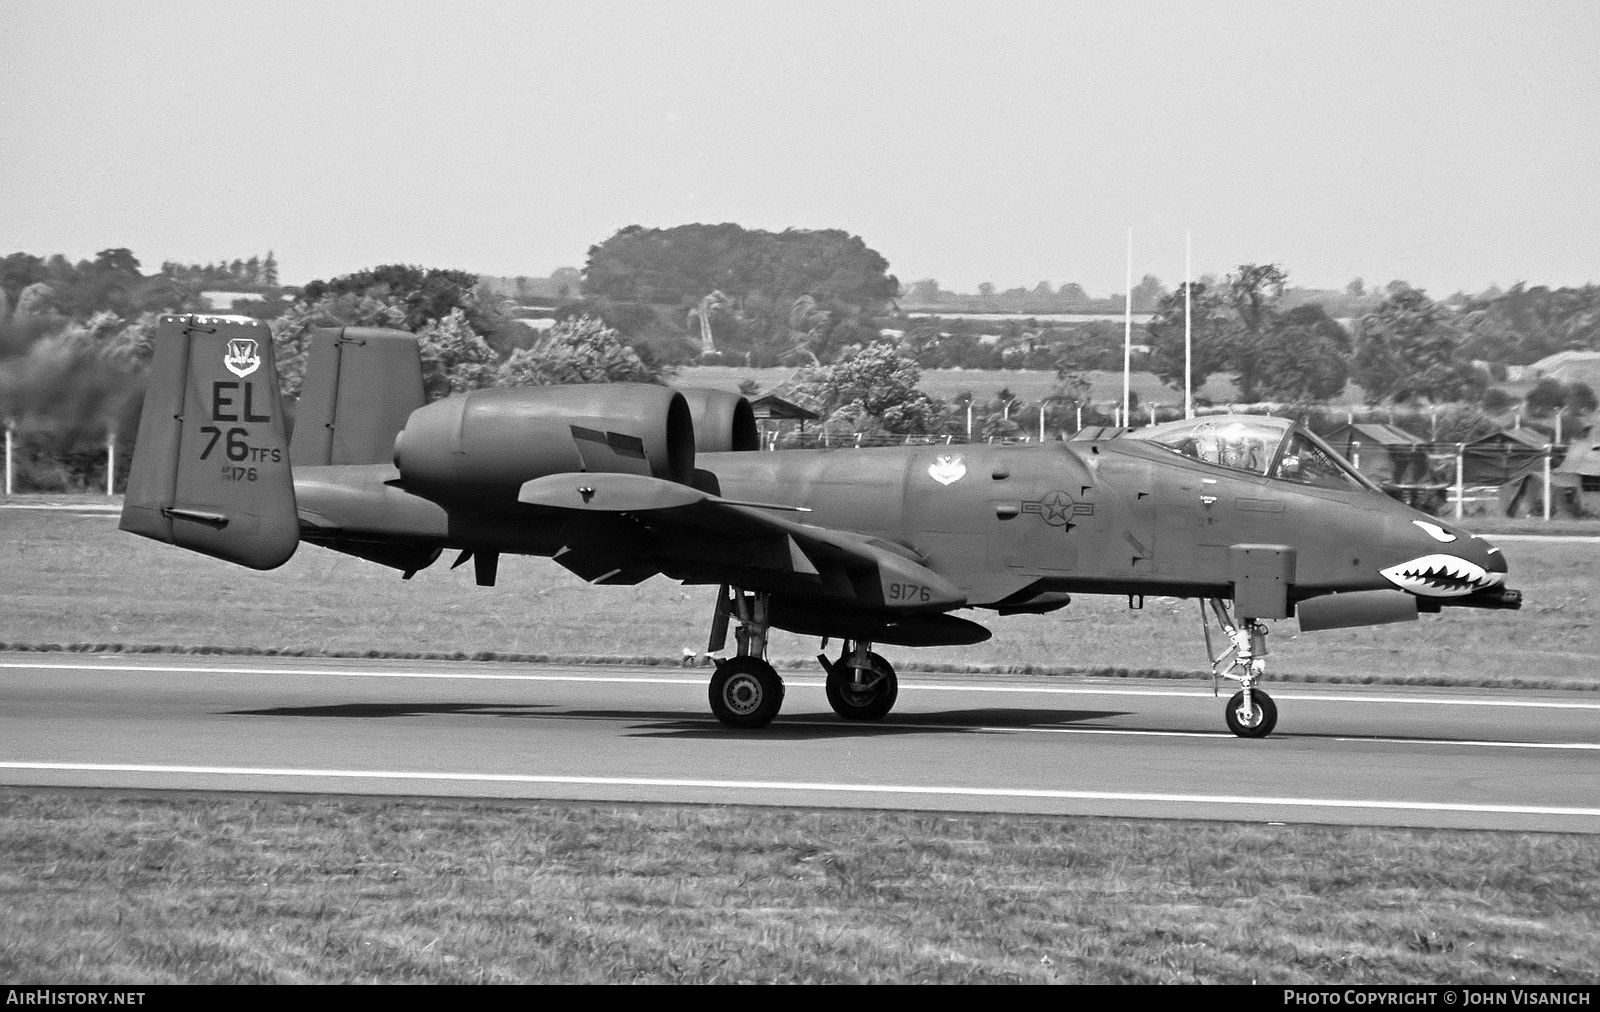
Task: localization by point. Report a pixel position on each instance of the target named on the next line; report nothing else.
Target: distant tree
(1147, 294)
(1305, 357)
(567, 281)
(1525, 324)
(924, 293)
(1239, 325)
(1096, 345)
(1496, 400)
(1547, 396)
(1411, 348)
(1581, 398)
(18, 271)
(875, 383)
(269, 270)
(576, 350)
(1071, 293)
(1211, 349)
(1356, 288)
(798, 294)
(986, 289)
(424, 294)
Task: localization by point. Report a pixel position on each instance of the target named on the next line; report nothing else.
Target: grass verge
(118, 887)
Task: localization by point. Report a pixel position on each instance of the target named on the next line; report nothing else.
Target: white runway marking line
(1214, 735)
(1486, 744)
(779, 785)
(800, 683)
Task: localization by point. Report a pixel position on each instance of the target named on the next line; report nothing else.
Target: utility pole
(1188, 332)
(1127, 328)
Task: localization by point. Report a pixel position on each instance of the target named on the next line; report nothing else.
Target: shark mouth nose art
(1441, 576)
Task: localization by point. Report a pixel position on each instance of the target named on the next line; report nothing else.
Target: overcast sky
(1452, 145)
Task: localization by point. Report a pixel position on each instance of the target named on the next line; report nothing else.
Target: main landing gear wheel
(746, 693)
(1258, 721)
(862, 694)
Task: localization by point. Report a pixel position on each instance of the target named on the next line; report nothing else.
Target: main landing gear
(746, 691)
(861, 684)
(1251, 713)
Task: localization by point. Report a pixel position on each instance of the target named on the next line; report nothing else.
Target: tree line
(74, 337)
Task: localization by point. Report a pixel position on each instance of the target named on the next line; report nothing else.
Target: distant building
(1387, 454)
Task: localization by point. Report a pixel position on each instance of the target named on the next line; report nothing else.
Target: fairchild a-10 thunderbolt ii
(1255, 517)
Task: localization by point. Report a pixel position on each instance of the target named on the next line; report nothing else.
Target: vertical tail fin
(362, 383)
(210, 471)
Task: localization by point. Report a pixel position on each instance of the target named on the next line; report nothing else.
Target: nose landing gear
(1251, 713)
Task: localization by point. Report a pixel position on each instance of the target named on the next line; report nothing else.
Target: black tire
(746, 693)
(1266, 715)
(857, 704)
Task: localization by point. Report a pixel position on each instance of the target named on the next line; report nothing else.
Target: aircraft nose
(1446, 562)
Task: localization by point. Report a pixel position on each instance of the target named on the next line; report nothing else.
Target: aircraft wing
(623, 528)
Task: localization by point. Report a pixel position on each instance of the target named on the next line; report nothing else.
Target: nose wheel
(1251, 713)
(1252, 718)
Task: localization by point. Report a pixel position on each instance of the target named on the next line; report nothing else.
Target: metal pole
(1188, 332)
(111, 461)
(969, 421)
(1461, 489)
(1547, 456)
(1041, 421)
(1080, 418)
(1558, 428)
(1127, 329)
(8, 459)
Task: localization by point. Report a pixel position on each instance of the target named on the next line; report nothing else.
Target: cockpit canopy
(1258, 444)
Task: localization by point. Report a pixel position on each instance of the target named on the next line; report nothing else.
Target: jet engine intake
(487, 443)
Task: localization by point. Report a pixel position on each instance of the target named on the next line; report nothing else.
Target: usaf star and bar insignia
(1057, 509)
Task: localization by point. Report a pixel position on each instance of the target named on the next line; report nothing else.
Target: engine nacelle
(486, 443)
(722, 421)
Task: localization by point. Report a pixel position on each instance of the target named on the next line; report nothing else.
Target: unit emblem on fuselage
(1058, 508)
(241, 358)
(947, 468)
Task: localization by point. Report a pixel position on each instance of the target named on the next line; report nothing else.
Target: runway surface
(1358, 755)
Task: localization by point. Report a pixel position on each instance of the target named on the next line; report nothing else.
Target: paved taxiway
(1363, 755)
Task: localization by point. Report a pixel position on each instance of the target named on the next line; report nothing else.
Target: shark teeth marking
(1440, 576)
